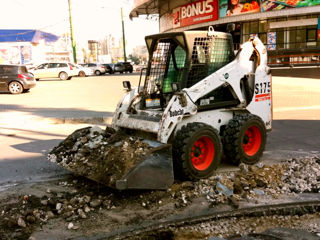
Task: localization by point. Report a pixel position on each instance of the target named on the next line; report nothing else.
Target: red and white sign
(263, 97)
(194, 13)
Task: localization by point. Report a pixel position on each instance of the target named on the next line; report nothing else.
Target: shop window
(245, 38)
(311, 37)
(280, 39)
(254, 27)
(263, 38)
(301, 38)
(262, 26)
(246, 28)
(292, 39)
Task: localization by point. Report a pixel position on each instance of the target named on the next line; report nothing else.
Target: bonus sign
(196, 12)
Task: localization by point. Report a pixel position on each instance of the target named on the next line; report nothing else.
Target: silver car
(83, 71)
(97, 68)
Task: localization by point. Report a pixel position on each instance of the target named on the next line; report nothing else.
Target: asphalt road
(30, 123)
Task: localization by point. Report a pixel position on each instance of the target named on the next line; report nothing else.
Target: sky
(92, 19)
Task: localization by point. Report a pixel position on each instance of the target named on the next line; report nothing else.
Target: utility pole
(123, 38)
(73, 43)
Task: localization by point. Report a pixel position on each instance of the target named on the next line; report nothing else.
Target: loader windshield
(166, 66)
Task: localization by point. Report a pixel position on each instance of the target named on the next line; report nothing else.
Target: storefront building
(290, 29)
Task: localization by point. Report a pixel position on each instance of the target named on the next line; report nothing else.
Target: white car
(64, 71)
(83, 71)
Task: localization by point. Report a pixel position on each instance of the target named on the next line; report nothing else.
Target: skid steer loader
(198, 101)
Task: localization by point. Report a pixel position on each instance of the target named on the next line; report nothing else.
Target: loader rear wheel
(244, 139)
(196, 151)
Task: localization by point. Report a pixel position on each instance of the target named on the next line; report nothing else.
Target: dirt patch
(101, 155)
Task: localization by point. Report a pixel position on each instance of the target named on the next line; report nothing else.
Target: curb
(93, 120)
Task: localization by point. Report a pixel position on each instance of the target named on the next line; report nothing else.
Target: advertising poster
(10, 55)
(195, 13)
(271, 40)
(318, 28)
(25, 54)
(270, 5)
(15, 54)
(235, 7)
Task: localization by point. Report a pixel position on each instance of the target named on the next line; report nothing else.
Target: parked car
(15, 79)
(83, 71)
(109, 67)
(64, 71)
(97, 68)
(138, 68)
(122, 67)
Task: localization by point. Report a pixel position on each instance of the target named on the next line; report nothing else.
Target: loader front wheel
(196, 151)
(244, 139)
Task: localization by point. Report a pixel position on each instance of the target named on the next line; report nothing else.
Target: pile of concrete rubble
(292, 176)
(101, 155)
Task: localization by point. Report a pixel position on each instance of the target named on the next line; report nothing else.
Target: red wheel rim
(252, 141)
(202, 153)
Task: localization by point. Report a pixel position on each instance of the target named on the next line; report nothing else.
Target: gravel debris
(249, 183)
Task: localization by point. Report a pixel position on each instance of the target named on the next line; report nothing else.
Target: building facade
(290, 29)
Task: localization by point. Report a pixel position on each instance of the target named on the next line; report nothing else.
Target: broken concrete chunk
(21, 222)
(95, 203)
(223, 189)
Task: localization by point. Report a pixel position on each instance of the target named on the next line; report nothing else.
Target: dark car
(15, 79)
(109, 67)
(122, 67)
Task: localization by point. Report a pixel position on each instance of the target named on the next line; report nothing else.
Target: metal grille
(221, 54)
(158, 67)
(199, 60)
(208, 56)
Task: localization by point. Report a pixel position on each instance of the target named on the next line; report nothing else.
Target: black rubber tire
(15, 87)
(82, 74)
(234, 139)
(97, 73)
(63, 76)
(183, 148)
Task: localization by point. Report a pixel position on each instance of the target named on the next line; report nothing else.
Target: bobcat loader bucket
(115, 159)
(154, 172)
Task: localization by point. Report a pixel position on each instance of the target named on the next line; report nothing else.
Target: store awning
(141, 7)
(26, 35)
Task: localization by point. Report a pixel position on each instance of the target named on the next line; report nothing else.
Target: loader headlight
(127, 85)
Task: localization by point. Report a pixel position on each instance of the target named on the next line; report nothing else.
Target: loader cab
(182, 58)
(167, 64)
